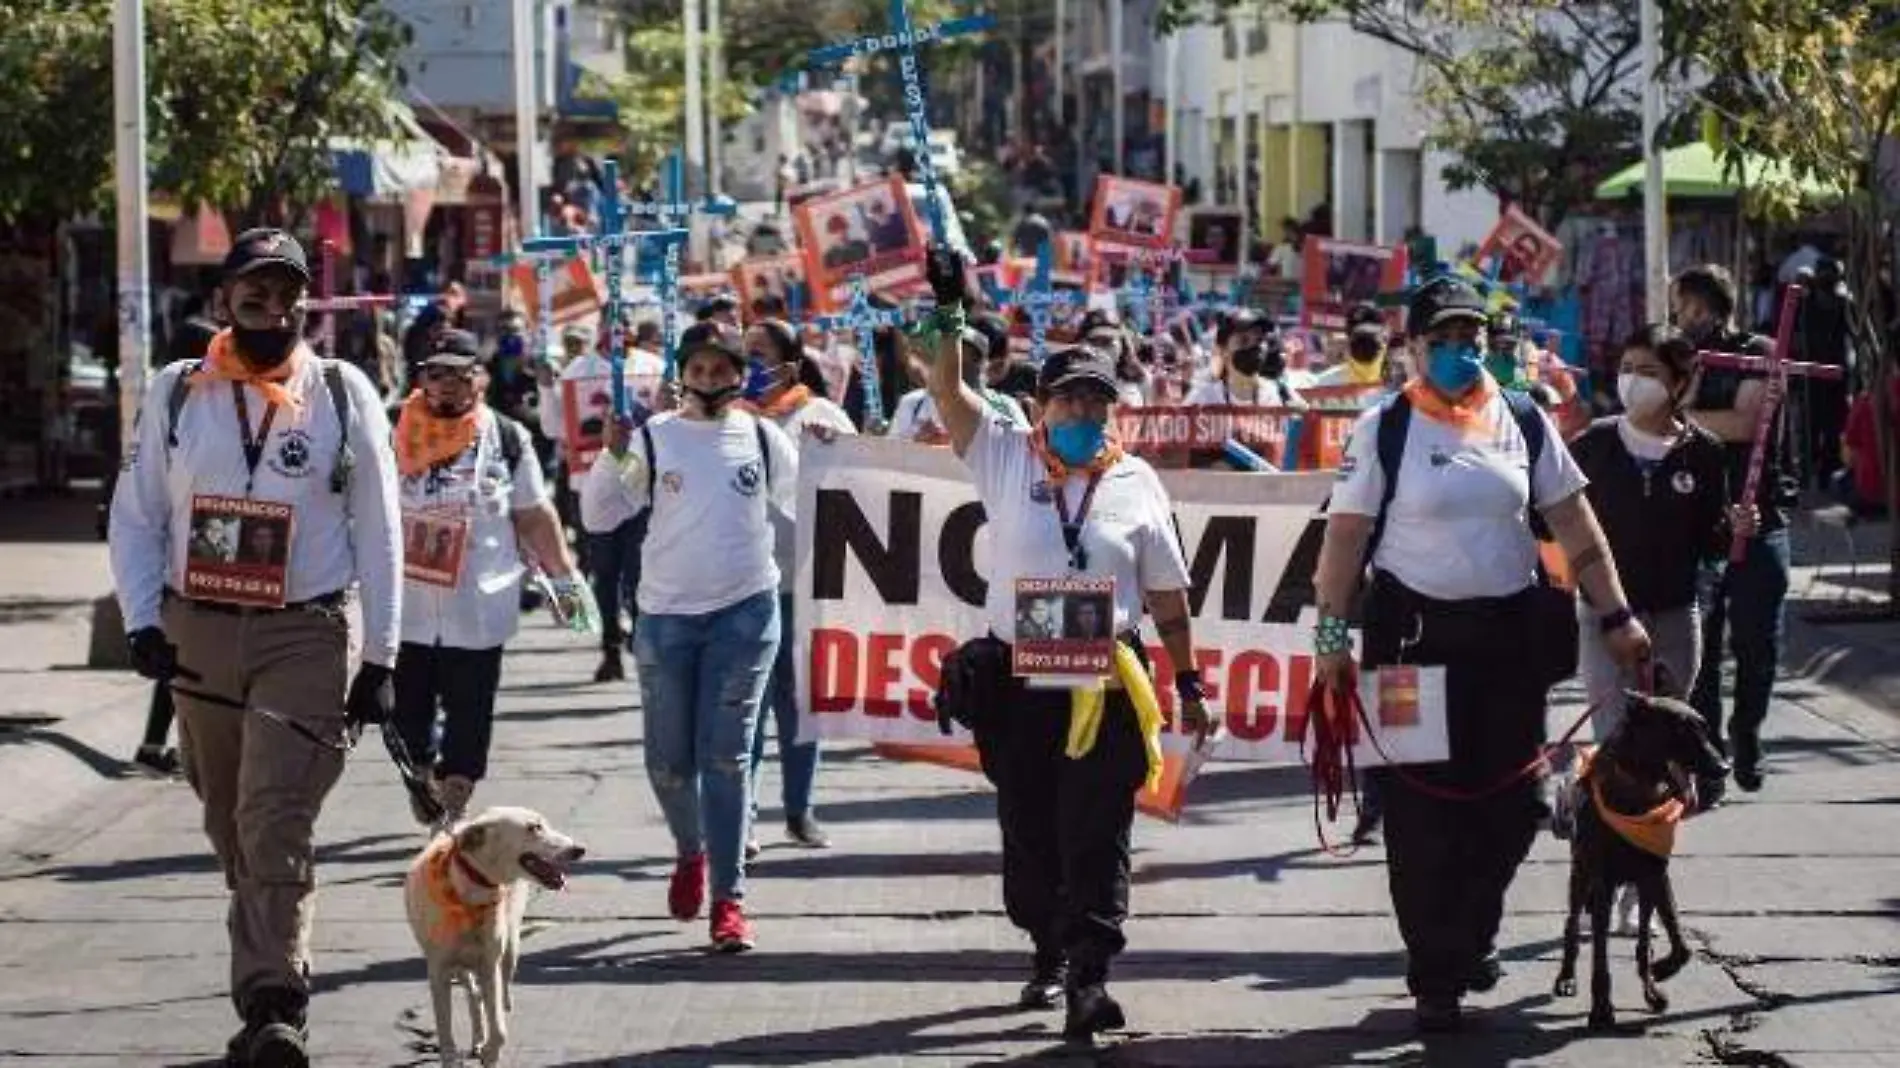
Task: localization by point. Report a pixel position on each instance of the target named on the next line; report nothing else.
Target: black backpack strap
(1530, 423)
(340, 403)
(1395, 422)
(175, 402)
(511, 447)
(765, 454)
(653, 475)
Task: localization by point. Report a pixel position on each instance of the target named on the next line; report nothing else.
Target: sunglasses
(439, 373)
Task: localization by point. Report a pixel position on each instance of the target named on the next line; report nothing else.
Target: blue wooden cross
(1039, 298)
(612, 240)
(673, 209)
(1139, 293)
(865, 320)
(903, 38)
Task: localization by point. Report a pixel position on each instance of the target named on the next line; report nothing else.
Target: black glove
(372, 697)
(152, 655)
(943, 266)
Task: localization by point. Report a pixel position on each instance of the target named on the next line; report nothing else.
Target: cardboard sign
(586, 405)
(1065, 628)
(1133, 214)
(1341, 274)
(1398, 696)
(1075, 256)
(578, 294)
(763, 279)
(1168, 435)
(434, 544)
(870, 230)
(1524, 251)
(891, 576)
(239, 551)
(1213, 238)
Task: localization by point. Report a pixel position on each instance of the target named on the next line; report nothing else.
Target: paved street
(1249, 947)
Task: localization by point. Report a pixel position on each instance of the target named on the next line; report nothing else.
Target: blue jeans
(1747, 601)
(797, 760)
(701, 680)
(613, 567)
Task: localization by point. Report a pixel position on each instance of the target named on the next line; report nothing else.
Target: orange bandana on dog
(1466, 414)
(424, 439)
(223, 364)
(1653, 832)
(454, 916)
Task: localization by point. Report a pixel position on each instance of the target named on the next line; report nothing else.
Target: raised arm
(958, 406)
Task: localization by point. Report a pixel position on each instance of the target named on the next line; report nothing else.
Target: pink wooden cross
(1779, 368)
(326, 304)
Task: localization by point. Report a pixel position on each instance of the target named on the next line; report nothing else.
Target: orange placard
(1524, 251)
(870, 230)
(434, 544)
(586, 405)
(238, 550)
(763, 280)
(1398, 696)
(1341, 274)
(1133, 214)
(578, 294)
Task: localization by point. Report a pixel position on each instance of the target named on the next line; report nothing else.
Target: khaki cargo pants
(262, 740)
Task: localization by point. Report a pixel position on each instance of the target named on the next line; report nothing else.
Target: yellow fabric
(1653, 832)
(223, 364)
(424, 439)
(1085, 712)
(1370, 373)
(454, 916)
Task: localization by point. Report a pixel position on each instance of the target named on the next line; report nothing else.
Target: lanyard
(253, 445)
(1072, 528)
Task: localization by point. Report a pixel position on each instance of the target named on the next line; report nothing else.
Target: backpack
(511, 432)
(339, 403)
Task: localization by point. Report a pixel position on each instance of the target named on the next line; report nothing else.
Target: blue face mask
(1077, 443)
(758, 380)
(1454, 366)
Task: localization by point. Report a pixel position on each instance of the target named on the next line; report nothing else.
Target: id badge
(434, 544)
(1065, 630)
(239, 551)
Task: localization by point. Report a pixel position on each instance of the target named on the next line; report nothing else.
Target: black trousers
(613, 566)
(460, 685)
(1065, 824)
(158, 717)
(1449, 862)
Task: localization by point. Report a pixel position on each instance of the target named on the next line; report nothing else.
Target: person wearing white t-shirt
(708, 630)
(1456, 581)
(1067, 506)
(916, 417)
(787, 386)
(1253, 375)
(461, 605)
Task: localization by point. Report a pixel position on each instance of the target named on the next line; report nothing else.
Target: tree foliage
(244, 97)
(1534, 99)
(1815, 86)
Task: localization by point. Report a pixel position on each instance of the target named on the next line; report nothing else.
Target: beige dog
(466, 895)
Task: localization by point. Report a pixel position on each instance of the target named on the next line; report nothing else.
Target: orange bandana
(223, 364)
(424, 439)
(1653, 832)
(1466, 414)
(454, 916)
(787, 402)
(1059, 472)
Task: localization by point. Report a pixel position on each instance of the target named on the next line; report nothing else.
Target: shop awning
(388, 170)
(1693, 170)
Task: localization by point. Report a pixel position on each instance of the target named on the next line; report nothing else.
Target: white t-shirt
(709, 541)
(916, 415)
(1128, 532)
(815, 412)
(1457, 527)
(484, 609)
(1268, 393)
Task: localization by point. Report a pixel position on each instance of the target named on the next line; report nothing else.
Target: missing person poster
(1342, 274)
(1523, 251)
(1133, 214)
(870, 230)
(238, 551)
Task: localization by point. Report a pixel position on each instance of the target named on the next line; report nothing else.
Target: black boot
(275, 1031)
(1091, 1011)
(1044, 988)
(1747, 762)
(610, 669)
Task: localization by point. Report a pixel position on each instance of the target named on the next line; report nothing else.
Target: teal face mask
(1078, 442)
(1453, 366)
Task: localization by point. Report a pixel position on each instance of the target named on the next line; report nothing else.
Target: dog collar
(474, 874)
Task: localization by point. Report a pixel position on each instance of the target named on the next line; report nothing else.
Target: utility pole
(1171, 72)
(134, 255)
(527, 111)
(695, 130)
(1120, 114)
(1655, 221)
(716, 77)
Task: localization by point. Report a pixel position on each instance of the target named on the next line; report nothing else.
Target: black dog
(1651, 759)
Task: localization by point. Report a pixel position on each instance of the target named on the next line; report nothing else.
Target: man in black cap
(263, 433)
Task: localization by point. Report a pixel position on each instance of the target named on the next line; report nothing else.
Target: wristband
(1332, 636)
(1616, 620)
(1187, 686)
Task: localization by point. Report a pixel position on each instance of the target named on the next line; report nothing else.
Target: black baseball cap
(255, 250)
(454, 348)
(1365, 320)
(714, 336)
(995, 330)
(1084, 364)
(1443, 300)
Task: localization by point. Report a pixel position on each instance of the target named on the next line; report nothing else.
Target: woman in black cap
(1067, 752)
(1438, 494)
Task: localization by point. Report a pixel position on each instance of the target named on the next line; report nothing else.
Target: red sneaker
(730, 931)
(687, 892)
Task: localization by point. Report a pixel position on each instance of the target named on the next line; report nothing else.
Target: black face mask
(714, 401)
(265, 349)
(1363, 351)
(1273, 362)
(1248, 361)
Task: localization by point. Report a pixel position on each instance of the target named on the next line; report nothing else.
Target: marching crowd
(1479, 521)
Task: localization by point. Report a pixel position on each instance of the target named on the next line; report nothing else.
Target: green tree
(1814, 85)
(1534, 99)
(244, 99)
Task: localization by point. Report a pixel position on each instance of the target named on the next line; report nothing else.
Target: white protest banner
(892, 551)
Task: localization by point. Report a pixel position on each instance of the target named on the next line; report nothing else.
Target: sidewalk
(1249, 947)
